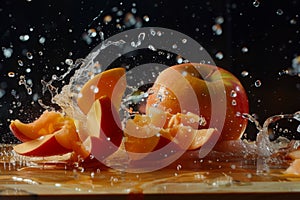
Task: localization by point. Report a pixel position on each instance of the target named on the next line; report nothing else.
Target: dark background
(270, 32)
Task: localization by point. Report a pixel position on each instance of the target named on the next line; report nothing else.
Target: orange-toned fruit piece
(46, 124)
(45, 146)
(51, 134)
(104, 133)
(294, 168)
(111, 83)
(180, 84)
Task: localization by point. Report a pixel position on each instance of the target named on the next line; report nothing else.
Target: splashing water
(265, 148)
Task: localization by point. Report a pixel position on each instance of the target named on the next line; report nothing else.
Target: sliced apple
(44, 125)
(104, 133)
(44, 146)
(111, 83)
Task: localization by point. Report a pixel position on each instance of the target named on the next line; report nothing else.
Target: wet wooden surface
(211, 178)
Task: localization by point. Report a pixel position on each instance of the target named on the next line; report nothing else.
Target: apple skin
(106, 134)
(201, 77)
(45, 146)
(111, 83)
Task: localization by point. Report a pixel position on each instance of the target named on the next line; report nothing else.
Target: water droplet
(107, 19)
(233, 93)
(24, 38)
(29, 55)
(151, 47)
(69, 61)
(11, 74)
(279, 12)
(298, 128)
(174, 46)
(256, 3)
(20, 62)
(219, 20)
(293, 21)
(42, 40)
(217, 29)
(7, 52)
(146, 18)
(219, 55)
(178, 167)
(257, 83)
(233, 102)
(244, 73)
(245, 50)
(179, 59)
(184, 41)
(92, 32)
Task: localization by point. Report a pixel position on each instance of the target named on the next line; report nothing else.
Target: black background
(270, 32)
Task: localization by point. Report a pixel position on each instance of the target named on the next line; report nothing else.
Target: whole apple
(169, 95)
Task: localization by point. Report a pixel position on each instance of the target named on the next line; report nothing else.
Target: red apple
(181, 84)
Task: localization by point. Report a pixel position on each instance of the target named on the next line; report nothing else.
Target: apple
(111, 83)
(180, 84)
(104, 130)
(44, 125)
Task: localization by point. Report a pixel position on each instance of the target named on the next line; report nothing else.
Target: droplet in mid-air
(20, 63)
(245, 49)
(29, 55)
(279, 12)
(11, 74)
(257, 83)
(256, 3)
(244, 73)
(219, 55)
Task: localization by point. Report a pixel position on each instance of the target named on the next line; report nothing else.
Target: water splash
(265, 148)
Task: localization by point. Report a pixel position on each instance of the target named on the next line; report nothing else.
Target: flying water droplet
(279, 12)
(20, 63)
(217, 29)
(244, 73)
(92, 32)
(24, 38)
(69, 61)
(245, 50)
(29, 55)
(107, 19)
(7, 52)
(146, 18)
(42, 40)
(11, 74)
(256, 3)
(257, 83)
(219, 20)
(219, 55)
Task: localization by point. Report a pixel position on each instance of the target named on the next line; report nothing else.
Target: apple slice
(44, 146)
(44, 125)
(103, 134)
(111, 83)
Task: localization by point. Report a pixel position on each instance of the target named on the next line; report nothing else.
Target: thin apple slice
(44, 125)
(104, 133)
(44, 146)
